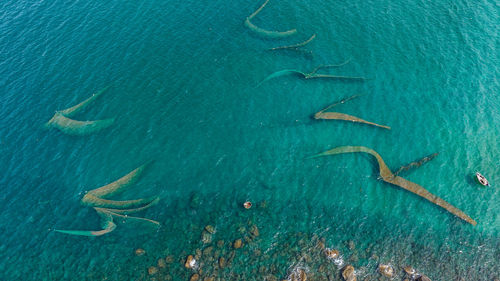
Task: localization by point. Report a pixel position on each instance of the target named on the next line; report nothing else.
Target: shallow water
(184, 93)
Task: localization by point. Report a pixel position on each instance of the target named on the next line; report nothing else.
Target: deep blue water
(184, 93)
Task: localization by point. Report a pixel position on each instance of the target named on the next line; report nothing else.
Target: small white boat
(481, 179)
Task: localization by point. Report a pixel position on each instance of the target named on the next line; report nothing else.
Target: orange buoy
(247, 205)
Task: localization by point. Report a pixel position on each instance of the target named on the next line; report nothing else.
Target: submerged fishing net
(389, 177)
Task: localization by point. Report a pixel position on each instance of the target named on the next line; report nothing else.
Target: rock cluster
(307, 254)
(208, 261)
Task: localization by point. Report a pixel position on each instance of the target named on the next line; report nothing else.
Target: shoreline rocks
(302, 275)
(306, 253)
(386, 270)
(331, 253)
(348, 273)
(423, 278)
(194, 277)
(409, 270)
(190, 262)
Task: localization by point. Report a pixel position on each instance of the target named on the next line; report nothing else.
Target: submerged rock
(263, 204)
(242, 229)
(348, 273)
(195, 201)
(220, 243)
(232, 254)
(237, 244)
(321, 244)
(207, 251)
(206, 237)
(386, 270)
(152, 270)
(169, 259)
(262, 269)
(210, 229)
(139, 252)
(194, 277)
(257, 252)
(162, 263)
(271, 278)
(197, 254)
(322, 268)
(222, 262)
(254, 230)
(248, 239)
(354, 258)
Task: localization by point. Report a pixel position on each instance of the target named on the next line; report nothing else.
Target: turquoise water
(184, 93)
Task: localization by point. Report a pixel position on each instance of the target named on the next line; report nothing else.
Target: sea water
(184, 91)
